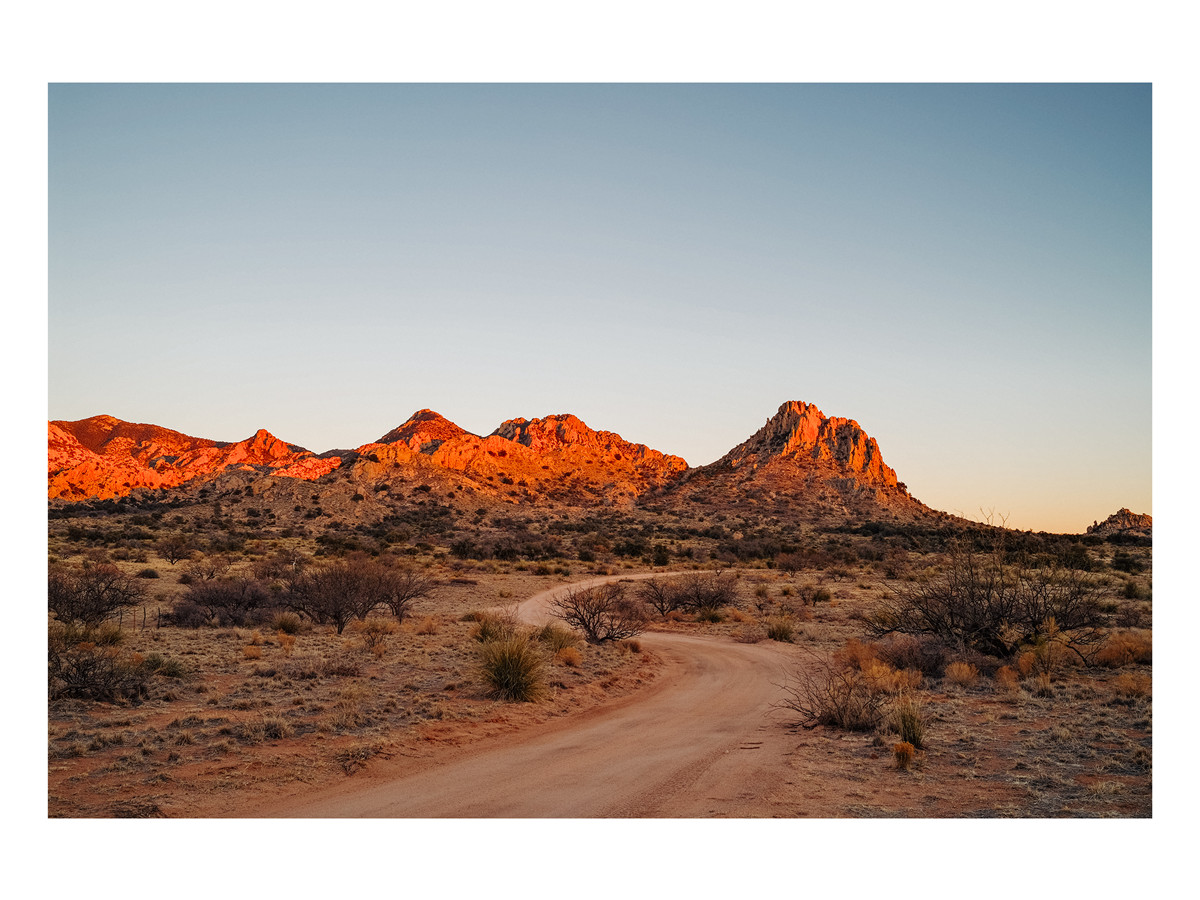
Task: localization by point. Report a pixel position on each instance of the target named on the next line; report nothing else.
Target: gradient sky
(965, 270)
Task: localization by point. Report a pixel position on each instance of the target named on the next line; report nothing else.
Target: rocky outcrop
(424, 432)
(1123, 520)
(800, 431)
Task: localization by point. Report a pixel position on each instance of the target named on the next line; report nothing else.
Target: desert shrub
(81, 667)
(701, 591)
(991, 604)
(602, 613)
(854, 654)
(629, 646)
(750, 634)
(286, 623)
(708, 614)
(252, 652)
(926, 654)
(91, 595)
(240, 601)
(186, 614)
(661, 594)
(962, 674)
(337, 593)
(781, 630)
(811, 594)
(513, 669)
(902, 754)
(148, 573)
(825, 694)
(1124, 648)
(428, 625)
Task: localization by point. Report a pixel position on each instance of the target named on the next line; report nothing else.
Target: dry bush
(855, 654)
(962, 674)
(428, 625)
(287, 623)
(663, 595)
(825, 694)
(237, 601)
(992, 604)
(252, 651)
(373, 634)
(903, 753)
(1131, 684)
(706, 591)
(82, 668)
(287, 643)
(1124, 648)
(750, 634)
(1007, 680)
(494, 626)
(91, 595)
(1026, 663)
(347, 711)
(926, 654)
(512, 669)
(602, 613)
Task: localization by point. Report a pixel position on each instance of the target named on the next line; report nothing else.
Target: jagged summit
(424, 431)
(801, 431)
(1123, 520)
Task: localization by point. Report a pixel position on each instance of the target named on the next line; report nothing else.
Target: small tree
(602, 613)
(175, 547)
(92, 594)
(399, 589)
(229, 602)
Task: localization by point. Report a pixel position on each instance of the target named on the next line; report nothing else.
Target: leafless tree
(335, 594)
(699, 591)
(602, 613)
(399, 588)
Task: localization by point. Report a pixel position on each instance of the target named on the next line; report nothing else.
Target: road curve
(701, 740)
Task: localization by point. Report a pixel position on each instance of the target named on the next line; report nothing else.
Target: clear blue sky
(965, 270)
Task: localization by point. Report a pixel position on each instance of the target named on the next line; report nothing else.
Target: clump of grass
(428, 625)
(374, 634)
(1007, 680)
(569, 656)
(903, 753)
(287, 643)
(252, 651)
(961, 673)
(908, 721)
(492, 627)
(556, 637)
(513, 669)
(1125, 648)
(1131, 684)
(287, 623)
(781, 630)
(632, 645)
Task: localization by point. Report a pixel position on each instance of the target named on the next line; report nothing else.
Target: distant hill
(1123, 521)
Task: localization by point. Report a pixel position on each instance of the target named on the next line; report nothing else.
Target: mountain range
(801, 466)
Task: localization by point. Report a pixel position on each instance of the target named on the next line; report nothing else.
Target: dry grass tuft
(252, 651)
(1125, 648)
(568, 656)
(1007, 680)
(963, 674)
(903, 753)
(1131, 684)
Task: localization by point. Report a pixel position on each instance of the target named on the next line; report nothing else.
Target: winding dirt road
(701, 740)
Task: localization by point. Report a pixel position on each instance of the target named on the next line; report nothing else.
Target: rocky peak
(424, 431)
(263, 448)
(1123, 520)
(800, 431)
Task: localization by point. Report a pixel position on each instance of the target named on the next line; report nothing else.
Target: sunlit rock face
(801, 431)
(102, 457)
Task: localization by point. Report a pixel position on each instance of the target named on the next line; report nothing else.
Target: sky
(963, 269)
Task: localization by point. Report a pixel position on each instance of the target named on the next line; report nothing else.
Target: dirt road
(702, 740)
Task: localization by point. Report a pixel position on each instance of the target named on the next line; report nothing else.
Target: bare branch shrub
(602, 613)
(334, 594)
(238, 601)
(826, 694)
(93, 594)
(701, 592)
(663, 595)
(986, 603)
